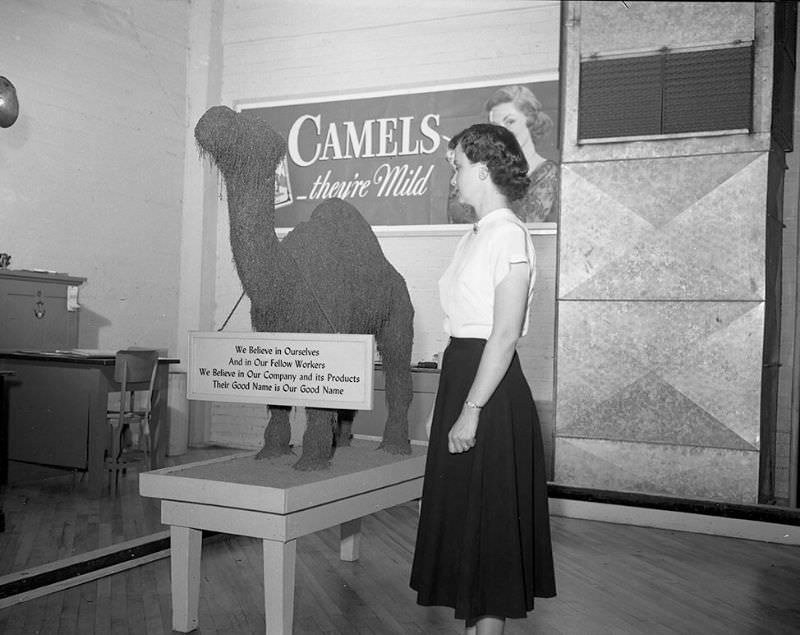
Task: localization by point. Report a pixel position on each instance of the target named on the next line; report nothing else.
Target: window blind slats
(708, 90)
(667, 93)
(620, 97)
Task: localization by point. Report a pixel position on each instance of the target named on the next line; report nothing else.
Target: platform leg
(185, 547)
(350, 540)
(279, 570)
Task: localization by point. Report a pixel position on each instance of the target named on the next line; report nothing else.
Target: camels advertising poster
(386, 154)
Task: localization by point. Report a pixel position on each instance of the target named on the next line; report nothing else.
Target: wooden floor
(58, 517)
(613, 579)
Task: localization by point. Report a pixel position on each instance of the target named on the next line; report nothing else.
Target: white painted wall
(91, 173)
(281, 49)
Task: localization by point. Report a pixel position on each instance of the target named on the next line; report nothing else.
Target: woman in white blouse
(483, 541)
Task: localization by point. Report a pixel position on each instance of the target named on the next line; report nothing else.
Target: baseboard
(765, 523)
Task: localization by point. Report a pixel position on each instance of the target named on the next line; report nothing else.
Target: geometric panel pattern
(662, 229)
(661, 288)
(670, 389)
(660, 414)
(686, 373)
(704, 473)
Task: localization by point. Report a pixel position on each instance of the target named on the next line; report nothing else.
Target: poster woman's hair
(539, 122)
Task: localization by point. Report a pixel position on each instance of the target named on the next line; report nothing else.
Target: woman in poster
(520, 111)
(517, 109)
(483, 540)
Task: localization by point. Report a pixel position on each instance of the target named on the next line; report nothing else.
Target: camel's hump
(339, 256)
(337, 226)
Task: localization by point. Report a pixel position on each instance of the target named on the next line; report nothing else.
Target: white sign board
(319, 370)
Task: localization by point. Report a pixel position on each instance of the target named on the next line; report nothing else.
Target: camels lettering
(328, 275)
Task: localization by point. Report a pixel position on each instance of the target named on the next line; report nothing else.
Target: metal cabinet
(38, 310)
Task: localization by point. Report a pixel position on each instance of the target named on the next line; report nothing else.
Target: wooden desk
(270, 500)
(57, 406)
(3, 439)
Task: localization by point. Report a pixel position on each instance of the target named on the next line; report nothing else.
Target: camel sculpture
(328, 275)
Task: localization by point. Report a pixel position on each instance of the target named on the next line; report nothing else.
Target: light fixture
(9, 104)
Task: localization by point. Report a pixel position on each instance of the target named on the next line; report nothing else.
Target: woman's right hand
(461, 437)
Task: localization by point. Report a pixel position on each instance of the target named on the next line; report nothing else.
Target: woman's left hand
(462, 435)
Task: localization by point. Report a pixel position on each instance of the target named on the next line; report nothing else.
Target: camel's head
(239, 144)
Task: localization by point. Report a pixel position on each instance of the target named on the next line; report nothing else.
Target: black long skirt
(483, 540)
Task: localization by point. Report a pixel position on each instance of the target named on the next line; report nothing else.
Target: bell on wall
(9, 104)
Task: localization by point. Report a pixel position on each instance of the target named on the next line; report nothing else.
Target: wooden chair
(135, 373)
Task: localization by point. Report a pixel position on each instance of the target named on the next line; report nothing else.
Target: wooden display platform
(273, 501)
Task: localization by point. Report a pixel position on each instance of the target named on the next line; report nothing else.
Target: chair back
(136, 366)
(134, 371)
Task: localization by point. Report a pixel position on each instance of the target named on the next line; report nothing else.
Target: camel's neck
(253, 205)
(262, 266)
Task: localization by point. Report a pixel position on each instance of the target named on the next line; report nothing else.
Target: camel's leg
(277, 434)
(394, 343)
(317, 439)
(344, 431)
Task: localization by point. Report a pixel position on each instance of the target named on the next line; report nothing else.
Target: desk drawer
(49, 410)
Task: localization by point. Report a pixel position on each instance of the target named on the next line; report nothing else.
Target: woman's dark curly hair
(498, 149)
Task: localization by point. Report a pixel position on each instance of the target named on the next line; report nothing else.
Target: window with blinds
(667, 93)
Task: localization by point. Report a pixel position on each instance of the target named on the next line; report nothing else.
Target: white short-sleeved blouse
(481, 261)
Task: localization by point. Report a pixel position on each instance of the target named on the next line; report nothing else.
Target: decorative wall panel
(625, 26)
(677, 228)
(668, 372)
(660, 325)
(705, 473)
(661, 272)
